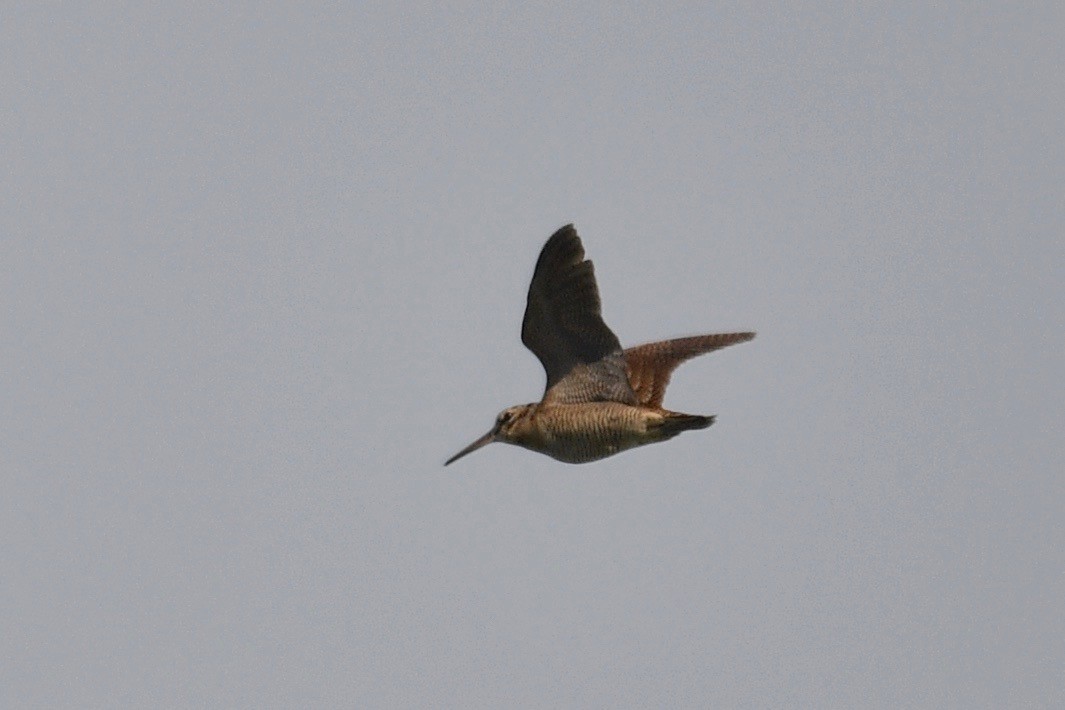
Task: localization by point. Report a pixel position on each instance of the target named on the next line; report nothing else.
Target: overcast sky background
(263, 271)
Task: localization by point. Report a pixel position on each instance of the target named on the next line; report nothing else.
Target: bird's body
(599, 398)
(578, 433)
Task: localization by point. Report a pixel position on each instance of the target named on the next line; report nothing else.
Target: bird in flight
(599, 399)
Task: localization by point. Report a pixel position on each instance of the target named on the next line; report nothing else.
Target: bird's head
(509, 424)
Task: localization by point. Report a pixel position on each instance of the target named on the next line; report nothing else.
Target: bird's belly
(580, 433)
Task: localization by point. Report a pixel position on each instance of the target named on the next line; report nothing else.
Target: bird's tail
(674, 423)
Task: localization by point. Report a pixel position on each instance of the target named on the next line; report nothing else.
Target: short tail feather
(674, 423)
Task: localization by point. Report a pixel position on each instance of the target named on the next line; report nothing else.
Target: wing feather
(650, 366)
(564, 327)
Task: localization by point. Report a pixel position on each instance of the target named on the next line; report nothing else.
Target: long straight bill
(483, 441)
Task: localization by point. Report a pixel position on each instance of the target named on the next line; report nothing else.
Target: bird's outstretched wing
(564, 328)
(649, 366)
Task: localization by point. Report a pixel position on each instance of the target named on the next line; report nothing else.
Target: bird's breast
(576, 433)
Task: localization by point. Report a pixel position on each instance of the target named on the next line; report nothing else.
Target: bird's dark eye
(504, 417)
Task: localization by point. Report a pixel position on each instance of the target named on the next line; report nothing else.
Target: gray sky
(263, 271)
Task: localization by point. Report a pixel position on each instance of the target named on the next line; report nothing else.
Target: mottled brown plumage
(599, 399)
(650, 366)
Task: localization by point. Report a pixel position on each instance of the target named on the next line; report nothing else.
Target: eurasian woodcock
(599, 399)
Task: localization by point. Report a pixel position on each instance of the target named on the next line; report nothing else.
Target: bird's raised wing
(649, 366)
(564, 328)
